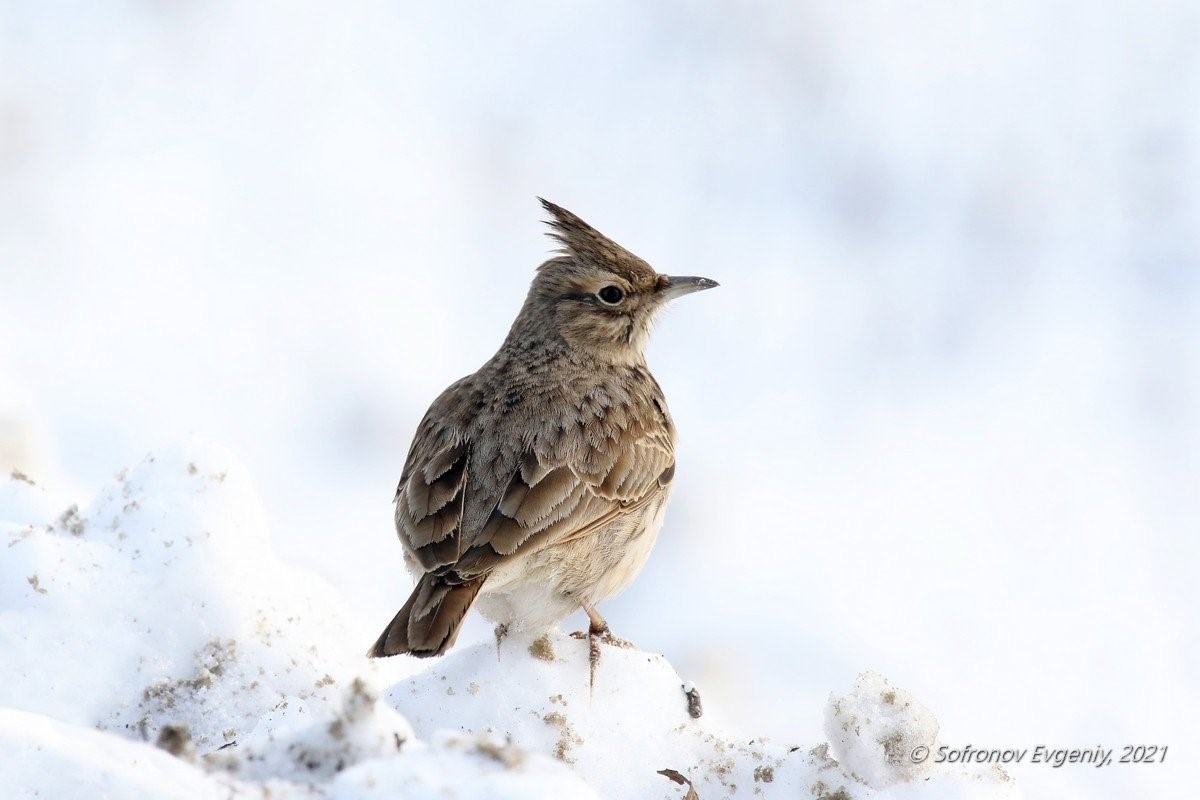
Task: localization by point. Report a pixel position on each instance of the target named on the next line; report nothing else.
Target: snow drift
(154, 646)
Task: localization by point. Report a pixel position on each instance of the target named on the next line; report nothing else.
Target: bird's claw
(597, 635)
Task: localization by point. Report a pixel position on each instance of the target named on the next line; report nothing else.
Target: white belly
(542, 588)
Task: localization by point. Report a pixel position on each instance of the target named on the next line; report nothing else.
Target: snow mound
(161, 603)
(159, 614)
(291, 742)
(879, 733)
(623, 733)
(617, 735)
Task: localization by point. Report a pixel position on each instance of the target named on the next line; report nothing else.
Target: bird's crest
(589, 246)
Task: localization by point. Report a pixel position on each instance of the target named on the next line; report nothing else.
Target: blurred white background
(942, 420)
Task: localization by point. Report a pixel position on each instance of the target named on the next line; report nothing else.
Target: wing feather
(570, 481)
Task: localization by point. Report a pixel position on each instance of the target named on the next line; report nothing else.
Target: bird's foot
(609, 639)
(594, 635)
(604, 636)
(500, 632)
(597, 635)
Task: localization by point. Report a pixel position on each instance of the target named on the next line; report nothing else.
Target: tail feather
(428, 623)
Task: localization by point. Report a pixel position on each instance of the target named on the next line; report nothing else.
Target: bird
(537, 485)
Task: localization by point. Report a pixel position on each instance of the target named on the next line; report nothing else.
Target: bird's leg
(500, 632)
(597, 624)
(597, 629)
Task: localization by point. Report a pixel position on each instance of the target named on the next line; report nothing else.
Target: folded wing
(560, 488)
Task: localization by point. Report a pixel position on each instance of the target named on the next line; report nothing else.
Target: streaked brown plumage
(537, 485)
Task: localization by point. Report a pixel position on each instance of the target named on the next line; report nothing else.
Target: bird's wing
(563, 488)
(556, 496)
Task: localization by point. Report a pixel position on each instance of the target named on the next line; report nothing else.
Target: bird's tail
(428, 623)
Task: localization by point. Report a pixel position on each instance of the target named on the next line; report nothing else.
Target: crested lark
(537, 485)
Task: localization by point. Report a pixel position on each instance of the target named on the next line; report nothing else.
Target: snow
(876, 729)
(633, 723)
(166, 583)
(44, 757)
(156, 647)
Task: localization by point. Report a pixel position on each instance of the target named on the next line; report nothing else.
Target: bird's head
(598, 296)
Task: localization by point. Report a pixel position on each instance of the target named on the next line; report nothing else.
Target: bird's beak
(679, 285)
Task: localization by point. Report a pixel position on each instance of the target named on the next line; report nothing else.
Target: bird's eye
(610, 295)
